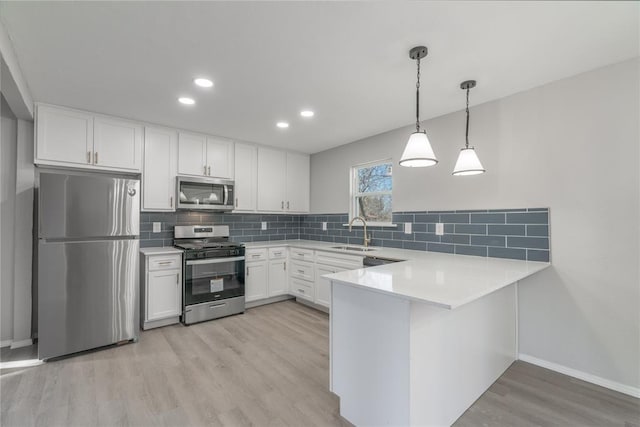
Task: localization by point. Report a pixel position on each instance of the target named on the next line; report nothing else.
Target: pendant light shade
(468, 162)
(418, 152)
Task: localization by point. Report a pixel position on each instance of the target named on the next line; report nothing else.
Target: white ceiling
(348, 61)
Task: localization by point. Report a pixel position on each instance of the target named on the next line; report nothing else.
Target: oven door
(213, 279)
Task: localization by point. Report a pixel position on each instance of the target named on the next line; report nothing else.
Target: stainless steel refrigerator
(88, 257)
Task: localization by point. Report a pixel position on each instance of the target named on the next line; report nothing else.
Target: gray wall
(572, 146)
(8, 153)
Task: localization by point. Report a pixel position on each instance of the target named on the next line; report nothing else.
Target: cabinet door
(117, 144)
(255, 281)
(297, 186)
(164, 297)
(272, 166)
(192, 149)
(219, 158)
(246, 165)
(159, 174)
(323, 285)
(278, 283)
(63, 136)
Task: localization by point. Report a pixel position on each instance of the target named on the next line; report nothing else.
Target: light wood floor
(267, 367)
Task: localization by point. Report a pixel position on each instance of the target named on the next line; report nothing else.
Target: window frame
(353, 192)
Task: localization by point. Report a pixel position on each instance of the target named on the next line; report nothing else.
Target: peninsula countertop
(444, 280)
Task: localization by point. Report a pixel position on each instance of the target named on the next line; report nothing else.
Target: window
(371, 185)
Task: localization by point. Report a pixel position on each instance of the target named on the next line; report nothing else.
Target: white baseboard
(5, 343)
(23, 343)
(594, 379)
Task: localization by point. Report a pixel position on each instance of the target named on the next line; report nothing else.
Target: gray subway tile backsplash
(503, 233)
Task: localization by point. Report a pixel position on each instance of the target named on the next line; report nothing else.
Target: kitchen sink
(353, 248)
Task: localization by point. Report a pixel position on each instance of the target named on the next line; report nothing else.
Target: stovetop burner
(199, 245)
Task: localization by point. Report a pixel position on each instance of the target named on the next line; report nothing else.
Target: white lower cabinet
(329, 263)
(256, 275)
(278, 282)
(161, 302)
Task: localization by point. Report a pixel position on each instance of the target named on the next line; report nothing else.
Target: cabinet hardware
(209, 168)
(282, 205)
(95, 158)
(236, 202)
(301, 290)
(171, 201)
(301, 271)
(247, 271)
(89, 157)
(255, 255)
(287, 205)
(205, 169)
(164, 262)
(285, 266)
(177, 279)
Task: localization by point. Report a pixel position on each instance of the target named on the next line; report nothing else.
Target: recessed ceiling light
(282, 125)
(203, 82)
(306, 113)
(186, 101)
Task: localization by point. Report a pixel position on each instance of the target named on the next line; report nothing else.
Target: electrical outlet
(264, 225)
(324, 226)
(157, 227)
(407, 228)
(439, 229)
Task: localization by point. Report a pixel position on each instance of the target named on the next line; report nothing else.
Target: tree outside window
(372, 184)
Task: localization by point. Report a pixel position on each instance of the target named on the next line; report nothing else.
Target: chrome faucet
(367, 239)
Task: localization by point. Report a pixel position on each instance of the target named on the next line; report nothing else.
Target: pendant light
(418, 152)
(468, 162)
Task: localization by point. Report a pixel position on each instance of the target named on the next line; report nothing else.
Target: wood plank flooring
(268, 367)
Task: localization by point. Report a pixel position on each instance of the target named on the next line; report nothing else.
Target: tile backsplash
(502, 233)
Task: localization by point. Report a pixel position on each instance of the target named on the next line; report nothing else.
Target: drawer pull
(301, 290)
(255, 256)
(165, 262)
(301, 271)
(218, 305)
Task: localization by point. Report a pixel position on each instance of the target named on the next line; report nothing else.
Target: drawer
(302, 270)
(301, 254)
(302, 289)
(349, 262)
(255, 255)
(277, 253)
(165, 262)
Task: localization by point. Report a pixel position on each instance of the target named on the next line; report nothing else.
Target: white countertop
(445, 280)
(161, 250)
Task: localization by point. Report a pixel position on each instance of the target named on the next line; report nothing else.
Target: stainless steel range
(213, 272)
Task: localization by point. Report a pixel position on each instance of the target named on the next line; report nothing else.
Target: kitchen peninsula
(417, 342)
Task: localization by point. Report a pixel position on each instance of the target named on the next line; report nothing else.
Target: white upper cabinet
(272, 176)
(160, 164)
(283, 181)
(192, 152)
(297, 187)
(117, 143)
(66, 137)
(220, 158)
(202, 155)
(63, 136)
(246, 182)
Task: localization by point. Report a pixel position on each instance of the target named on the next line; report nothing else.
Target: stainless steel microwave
(204, 193)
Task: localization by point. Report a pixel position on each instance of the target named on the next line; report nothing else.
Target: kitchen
(298, 125)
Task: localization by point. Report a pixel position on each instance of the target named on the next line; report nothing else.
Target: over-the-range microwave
(211, 194)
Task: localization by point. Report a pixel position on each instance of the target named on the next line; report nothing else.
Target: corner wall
(571, 145)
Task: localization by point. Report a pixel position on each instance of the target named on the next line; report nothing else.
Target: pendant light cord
(467, 132)
(418, 98)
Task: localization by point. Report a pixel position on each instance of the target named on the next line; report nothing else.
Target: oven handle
(226, 195)
(215, 260)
